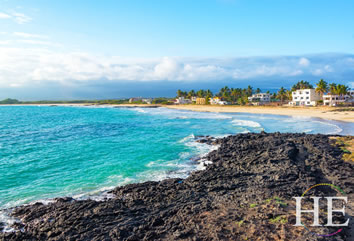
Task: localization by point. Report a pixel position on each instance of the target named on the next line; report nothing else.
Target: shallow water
(47, 152)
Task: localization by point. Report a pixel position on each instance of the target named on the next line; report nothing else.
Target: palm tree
(235, 94)
(302, 85)
(191, 93)
(208, 92)
(258, 90)
(341, 89)
(179, 93)
(321, 87)
(289, 94)
(249, 90)
(281, 94)
(333, 88)
(200, 93)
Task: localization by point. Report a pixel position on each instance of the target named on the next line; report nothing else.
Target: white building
(131, 100)
(260, 97)
(182, 101)
(147, 101)
(217, 101)
(334, 100)
(305, 97)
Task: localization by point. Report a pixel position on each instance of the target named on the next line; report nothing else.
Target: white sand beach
(329, 113)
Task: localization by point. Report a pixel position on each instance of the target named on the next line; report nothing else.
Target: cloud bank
(21, 67)
(19, 18)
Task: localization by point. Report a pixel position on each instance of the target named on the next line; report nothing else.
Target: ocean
(48, 152)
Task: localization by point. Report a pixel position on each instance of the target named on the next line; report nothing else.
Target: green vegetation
(282, 94)
(342, 109)
(321, 87)
(280, 201)
(162, 101)
(253, 205)
(112, 102)
(338, 89)
(302, 85)
(231, 95)
(346, 144)
(240, 96)
(279, 219)
(240, 223)
(9, 101)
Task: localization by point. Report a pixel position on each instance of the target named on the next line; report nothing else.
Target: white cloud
(4, 16)
(19, 18)
(29, 35)
(39, 42)
(167, 69)
(304, 62)
(321, 71)
(5, 42)
(33, 66)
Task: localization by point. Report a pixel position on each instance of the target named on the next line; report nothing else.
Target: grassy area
(279, 219)
(342, 109)
(346, 144)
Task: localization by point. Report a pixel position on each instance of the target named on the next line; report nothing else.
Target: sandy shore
(328, 113)
(323, 112)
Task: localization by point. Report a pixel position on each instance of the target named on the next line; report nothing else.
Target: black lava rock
(246, 193)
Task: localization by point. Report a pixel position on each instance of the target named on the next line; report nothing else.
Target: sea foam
(247, 123)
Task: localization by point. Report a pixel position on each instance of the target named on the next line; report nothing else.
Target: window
(308, 102)
(295, 98)
(307, 92)
(307, 97)
(302, 98)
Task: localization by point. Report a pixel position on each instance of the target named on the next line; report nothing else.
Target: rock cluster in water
(245, 194)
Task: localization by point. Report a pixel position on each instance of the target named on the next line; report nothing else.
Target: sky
(65, 49)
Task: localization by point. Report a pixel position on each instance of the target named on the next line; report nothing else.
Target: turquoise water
(47, 152)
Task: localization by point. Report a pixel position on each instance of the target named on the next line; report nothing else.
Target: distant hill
(10, 101)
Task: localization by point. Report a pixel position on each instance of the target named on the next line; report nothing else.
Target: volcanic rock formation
(245, 194)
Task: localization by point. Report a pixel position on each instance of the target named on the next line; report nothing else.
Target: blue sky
(82, 46)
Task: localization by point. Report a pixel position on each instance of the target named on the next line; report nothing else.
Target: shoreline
(149, 210)
(197, 161)
(327, 113)
(323, 112)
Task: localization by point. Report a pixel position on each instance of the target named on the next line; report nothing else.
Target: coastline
(328, 113)
(211, 199)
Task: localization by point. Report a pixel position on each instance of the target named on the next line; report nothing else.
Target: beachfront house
(200, 101)
(182, 101)
(259, 99)
(147, 101)
(135, 99)
(193, 98)
(305, 97)
(334, 100)
(217, 101)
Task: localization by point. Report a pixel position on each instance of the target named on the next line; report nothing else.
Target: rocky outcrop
(245, 194)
